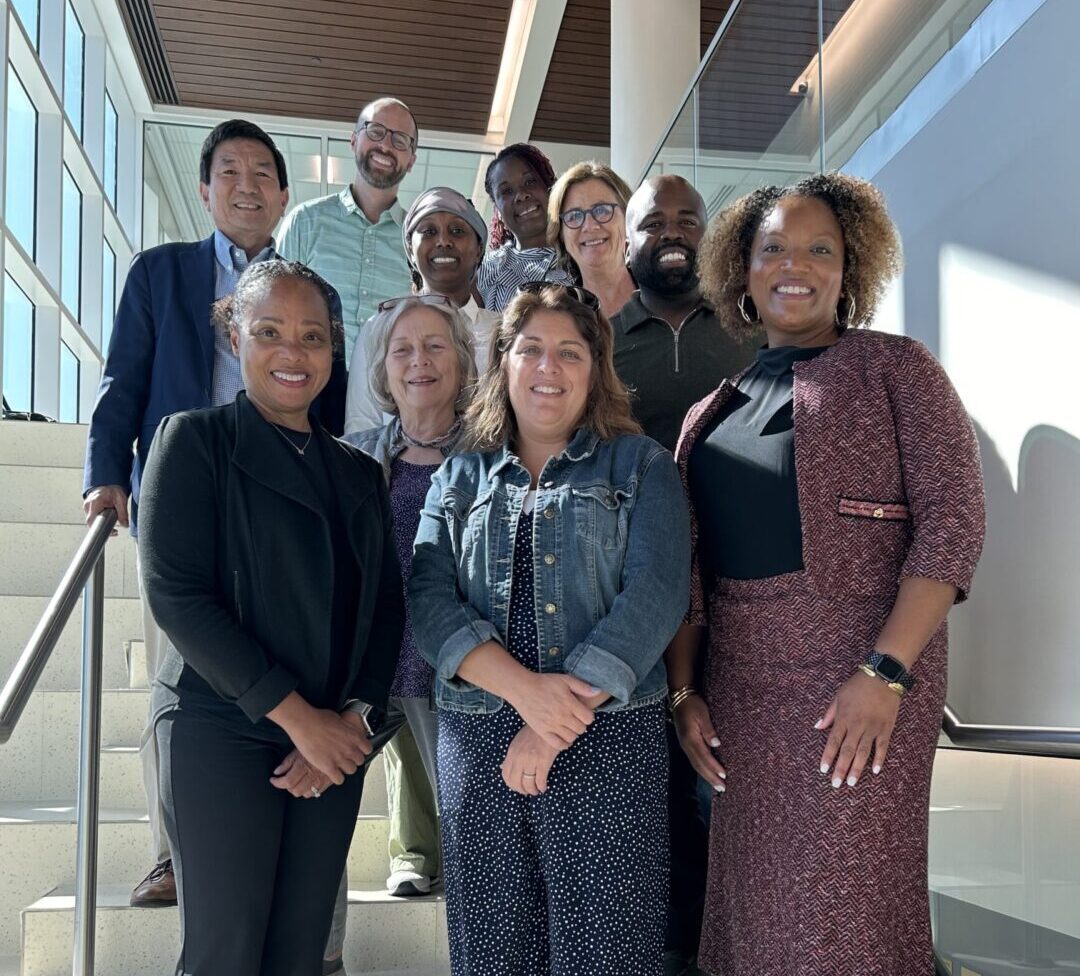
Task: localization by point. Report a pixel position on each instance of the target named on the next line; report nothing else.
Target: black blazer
(236, 561)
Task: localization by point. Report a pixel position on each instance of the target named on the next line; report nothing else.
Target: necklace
(288, 440)
(441, 441)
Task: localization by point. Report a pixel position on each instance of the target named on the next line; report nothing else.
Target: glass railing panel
(875, 56)
(679, 148)
(1005, 863)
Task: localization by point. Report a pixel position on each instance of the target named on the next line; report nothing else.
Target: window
(18, 380)
(28, 14)
(20, 187)
(73, 69)
(108, 294)
(69, 385)
(71, 244)
(111, 143)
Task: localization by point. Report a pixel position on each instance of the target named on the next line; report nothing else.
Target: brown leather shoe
(157, 889)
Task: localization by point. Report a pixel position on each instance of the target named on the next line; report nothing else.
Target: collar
(634, 314)
(582, 445)
(396, 442)
(395, 212)
(232, 257)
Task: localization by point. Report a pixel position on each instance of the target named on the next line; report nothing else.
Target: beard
(380, 179)
(653, 276)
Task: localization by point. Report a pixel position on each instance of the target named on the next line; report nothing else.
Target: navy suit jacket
(161, 361)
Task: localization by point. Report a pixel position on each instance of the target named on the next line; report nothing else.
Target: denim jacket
(611, 538)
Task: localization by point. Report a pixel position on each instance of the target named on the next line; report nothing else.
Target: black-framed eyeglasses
(601, 213)
(583, 295)
(427, 299)
(376, 132)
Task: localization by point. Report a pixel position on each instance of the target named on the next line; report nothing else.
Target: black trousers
(257, 869)
(689, 852)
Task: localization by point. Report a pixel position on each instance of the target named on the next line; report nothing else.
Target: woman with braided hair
(518, 181)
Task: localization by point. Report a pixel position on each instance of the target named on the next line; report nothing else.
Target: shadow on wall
(1014, 645)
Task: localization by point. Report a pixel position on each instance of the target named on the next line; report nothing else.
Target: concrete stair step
(51, 445)
(19, 615)
(384, 934)
(37, 553)
(34, 493)
(37, 847)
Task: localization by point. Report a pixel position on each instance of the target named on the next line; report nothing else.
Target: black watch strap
(891, 670)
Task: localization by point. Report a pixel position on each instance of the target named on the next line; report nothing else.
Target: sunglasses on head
(583, 295)
(601, 213)
(429, 299)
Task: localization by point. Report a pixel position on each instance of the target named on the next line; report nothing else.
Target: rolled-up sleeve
(625, 645)
(939, 456)
(178, 533)
(446, 626)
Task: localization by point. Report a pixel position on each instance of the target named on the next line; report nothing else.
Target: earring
(742, 310)
(849, 318)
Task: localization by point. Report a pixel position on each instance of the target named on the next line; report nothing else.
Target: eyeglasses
(427, 299)
(601, 213)
(583, 295)
(376, 132)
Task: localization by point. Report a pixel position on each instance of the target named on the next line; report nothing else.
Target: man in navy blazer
(164, 356)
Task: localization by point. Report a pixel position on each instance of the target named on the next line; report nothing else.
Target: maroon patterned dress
(805, 879)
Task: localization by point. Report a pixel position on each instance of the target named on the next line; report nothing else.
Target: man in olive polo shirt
(669, 347)
(353, 238)
(671, 351)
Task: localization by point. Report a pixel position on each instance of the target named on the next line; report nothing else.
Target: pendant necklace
(288, 440)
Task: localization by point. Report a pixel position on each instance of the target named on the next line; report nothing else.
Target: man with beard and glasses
(669, 346)
(671, 350)
(353, 238)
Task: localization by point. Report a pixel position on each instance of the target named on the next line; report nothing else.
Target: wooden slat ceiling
(745, 98)
(324, 59)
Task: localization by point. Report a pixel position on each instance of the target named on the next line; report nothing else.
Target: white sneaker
(408, 884)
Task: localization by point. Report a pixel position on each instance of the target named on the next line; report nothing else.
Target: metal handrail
(86, 573)
(1060, 742)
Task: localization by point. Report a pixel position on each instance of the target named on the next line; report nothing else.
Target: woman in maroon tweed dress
(838, 514)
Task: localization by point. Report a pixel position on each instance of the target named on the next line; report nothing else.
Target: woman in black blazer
(268, 558)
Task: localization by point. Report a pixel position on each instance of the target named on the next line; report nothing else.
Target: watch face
(890, 669)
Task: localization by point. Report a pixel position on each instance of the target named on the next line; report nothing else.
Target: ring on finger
(316, 792)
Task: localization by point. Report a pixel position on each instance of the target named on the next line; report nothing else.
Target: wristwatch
(890, 670)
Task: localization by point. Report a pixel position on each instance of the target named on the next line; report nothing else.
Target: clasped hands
(329, 747)
(860, 722)
(556, 709)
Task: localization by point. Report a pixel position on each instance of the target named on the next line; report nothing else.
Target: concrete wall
(987, 199)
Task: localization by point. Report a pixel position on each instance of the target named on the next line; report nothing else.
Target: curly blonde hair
(490, 421)
(872, 252)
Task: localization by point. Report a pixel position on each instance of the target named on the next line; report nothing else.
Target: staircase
(40, 527)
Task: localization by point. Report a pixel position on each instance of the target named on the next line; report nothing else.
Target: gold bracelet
(679, 695)
(894, 686)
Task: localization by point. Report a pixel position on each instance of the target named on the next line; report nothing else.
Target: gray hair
(257, 279)
(376, 335)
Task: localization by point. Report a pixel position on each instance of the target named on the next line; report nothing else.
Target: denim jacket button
(549, 512)
(549, 559)
(550, 608)
(553, 652)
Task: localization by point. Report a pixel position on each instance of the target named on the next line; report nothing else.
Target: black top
(668, 371)
(346, 571)
(742, 475)
(238, 553)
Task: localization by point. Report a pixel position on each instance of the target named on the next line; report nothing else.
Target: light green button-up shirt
(364, 261)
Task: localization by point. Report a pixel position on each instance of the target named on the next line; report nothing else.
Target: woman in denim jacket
(551, 569)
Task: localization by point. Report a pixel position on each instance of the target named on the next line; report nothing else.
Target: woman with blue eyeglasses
(550, 570)
(587, 228)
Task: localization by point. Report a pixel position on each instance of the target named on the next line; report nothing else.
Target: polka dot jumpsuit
(571, 882)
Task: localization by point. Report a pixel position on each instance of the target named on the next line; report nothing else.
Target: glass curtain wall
(780, 98)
